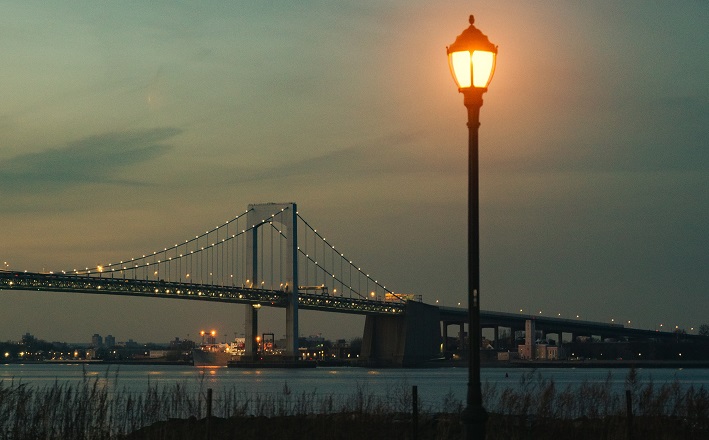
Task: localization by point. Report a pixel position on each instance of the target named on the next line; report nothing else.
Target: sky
(128, 126)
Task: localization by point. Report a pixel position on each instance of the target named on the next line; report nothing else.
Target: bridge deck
(204, 292)
(556, 325)
(308, 301)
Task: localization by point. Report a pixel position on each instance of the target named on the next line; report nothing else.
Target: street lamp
(472, 62)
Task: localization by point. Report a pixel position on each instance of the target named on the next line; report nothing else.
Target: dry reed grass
(535, 407)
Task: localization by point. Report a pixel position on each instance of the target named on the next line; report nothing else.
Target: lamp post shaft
(476, 416)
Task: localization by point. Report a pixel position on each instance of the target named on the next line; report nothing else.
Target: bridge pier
(251, 331)
(445, 336)
(402, 341)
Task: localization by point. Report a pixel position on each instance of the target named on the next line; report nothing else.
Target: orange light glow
(471, 58)
(474, 70)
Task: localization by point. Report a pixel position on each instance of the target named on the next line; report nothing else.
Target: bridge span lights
(472, 58)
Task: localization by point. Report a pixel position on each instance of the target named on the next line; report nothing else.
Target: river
(434, 385)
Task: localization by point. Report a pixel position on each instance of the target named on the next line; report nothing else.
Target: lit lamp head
(472, 59)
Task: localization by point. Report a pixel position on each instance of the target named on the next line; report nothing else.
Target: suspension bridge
(270, 256)
(267, 256)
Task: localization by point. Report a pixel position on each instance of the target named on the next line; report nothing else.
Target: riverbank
(398, 426)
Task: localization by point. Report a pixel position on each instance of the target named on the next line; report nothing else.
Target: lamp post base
(474, 420)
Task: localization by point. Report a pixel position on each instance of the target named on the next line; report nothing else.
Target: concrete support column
(250, 331)
(496, 344)
(445, 336)
(405, 340)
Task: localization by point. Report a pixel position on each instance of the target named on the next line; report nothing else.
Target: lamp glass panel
(483, 67)
(461, 68)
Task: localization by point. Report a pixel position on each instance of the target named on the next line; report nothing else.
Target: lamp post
(472, 62)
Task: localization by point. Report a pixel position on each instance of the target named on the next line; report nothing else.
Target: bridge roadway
(550, 325)
(163, 289)
(274, 298)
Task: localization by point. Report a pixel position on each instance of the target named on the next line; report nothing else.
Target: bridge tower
(288, 221)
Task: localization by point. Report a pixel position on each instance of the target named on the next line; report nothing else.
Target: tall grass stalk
(98, 408)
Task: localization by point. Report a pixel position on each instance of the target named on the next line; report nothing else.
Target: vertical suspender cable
(211, 263)
(280, 256)
(207, 252)
(332, 253)
(359, 281)
(225, 256)
(262, 276)
(243, 260)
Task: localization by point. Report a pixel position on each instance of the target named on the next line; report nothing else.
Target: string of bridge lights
(342, 257)
(136, 262)
(121, 264)
(621, 322)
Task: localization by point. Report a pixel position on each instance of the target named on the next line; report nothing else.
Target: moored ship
(212, 354)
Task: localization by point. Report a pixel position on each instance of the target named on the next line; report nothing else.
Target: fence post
(415, 412)
(209, 412)
(629, 413)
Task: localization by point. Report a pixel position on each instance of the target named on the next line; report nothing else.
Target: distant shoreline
(100, 362)
(625, 364)
(600, 364)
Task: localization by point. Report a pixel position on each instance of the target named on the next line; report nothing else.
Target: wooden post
(415, 413)
(209, 411)
(629, 413)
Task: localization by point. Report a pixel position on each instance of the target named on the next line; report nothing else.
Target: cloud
(393, 154)
(95, 159)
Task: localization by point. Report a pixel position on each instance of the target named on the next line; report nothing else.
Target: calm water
(433, 384)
